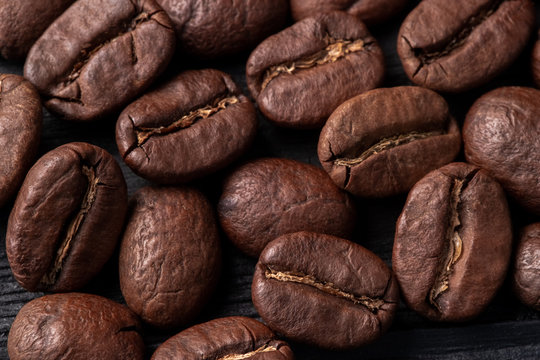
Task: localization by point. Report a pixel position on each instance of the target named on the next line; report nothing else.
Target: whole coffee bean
(213, 28)
(67, 218)
(453, 242)
(77, 327)
(20, 130)
(300, 75)
(170, 255)
(526, 272)
(536, 61)
(193, 125)
(324, 291)
(98, 55)
(502, 135)
(454, 46)
(370, 11)
(266, 198)
(382, 142)
(230, 338)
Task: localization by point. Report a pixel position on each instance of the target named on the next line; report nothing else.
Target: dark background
(505, 330)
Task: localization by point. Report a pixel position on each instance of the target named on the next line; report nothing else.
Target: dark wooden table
(506, 329)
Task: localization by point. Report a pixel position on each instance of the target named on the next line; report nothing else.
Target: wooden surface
(506, 330)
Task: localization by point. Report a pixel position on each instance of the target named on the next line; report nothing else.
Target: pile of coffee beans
(313, 67)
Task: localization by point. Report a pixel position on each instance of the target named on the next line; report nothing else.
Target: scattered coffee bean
(324, 291)
(300, 75)
(266, 198)
(20, 131)
(193, 125)
(67, 218)
(536, 61)
(210, 29)
(75, 326)
(382, 142)
(230, 338)
(502, 135)
(454, 46)
(526, 274)
(90, 62)
(453, 242)
(170, 255)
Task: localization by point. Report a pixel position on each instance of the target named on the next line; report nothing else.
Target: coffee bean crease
(263, 349)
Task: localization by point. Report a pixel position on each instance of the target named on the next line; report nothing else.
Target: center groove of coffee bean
(144, 133)
(51, 276)
(372, 304)
(385, 144)
(262, 349)
(335, 50)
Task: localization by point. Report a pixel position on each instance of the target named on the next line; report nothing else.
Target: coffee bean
(90, 62)
(457, 45)
(382, 142)
(230, 338)
(67, 218)
(169, 256)
(526, 272)
(20, 131)
(536, 61)
(23, 21)
(75, 326)
(453, 242)
(324, 291)
(300, 75)
(370, 11)
(210, 29)
(266, 198)
(502, 135)
(191, 126)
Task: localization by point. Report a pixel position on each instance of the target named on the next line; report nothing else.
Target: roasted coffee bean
(98, 55)
(502, 135)
(67, 218)
(453, 243)
(20, 130)
(170, 255)
(267, 198)
(324, 291)
(382, 142)
(536, 61)
(370, 11)
(526, 274)
(77, 327)
(300, 75)
(230, 338)
(454, 46)
(23, 21)
(193, 125)
(213, 28)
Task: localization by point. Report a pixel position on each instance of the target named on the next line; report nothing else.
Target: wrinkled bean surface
(526, 272)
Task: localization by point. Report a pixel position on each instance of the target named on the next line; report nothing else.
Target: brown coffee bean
(536, 61)
(324, 291)
(191, 126)
(20, 131)
(453, 243)
(370, 11)
(230, 338)
(169, 256)
(99, 55)
(266, 198)
(382, 142)
(77, 327)
(67, 218)
(300, 75)
(526, 272)
(213, 28)
(457, 45)
(502, 135)
(23, 21)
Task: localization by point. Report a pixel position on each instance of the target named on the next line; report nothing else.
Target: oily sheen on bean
(453, 243)
(67, 218)
(324, 291)
(526, 269)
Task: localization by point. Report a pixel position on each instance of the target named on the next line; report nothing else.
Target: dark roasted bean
(526, 272)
